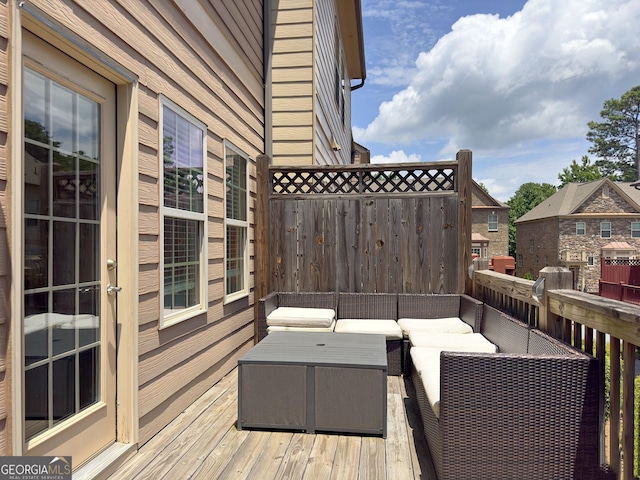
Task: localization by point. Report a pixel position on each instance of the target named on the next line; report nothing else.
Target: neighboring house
(317, 51)
(577, 226)
(490, 225)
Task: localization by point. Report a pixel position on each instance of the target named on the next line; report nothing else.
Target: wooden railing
(589, 323)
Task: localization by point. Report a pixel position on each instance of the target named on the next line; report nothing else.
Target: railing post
(262, 238)
(555, 278)
(464, 182)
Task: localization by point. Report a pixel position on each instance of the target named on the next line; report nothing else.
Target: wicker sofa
(377, 306)
(527, 412)
(434, 306)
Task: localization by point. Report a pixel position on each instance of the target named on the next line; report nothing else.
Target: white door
(69, 349)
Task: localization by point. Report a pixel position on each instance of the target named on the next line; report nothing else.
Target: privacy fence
(364, 228)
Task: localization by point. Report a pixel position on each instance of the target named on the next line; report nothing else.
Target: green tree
(524, 199)
(616, 140)
(583, 172)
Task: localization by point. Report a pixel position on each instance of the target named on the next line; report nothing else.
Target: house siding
(171, 47)
(328, 112)
(292, 81)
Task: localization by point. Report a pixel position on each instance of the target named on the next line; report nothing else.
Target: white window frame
(168, 319)
(602, 230)
(490, 222)
(590, 261)
(635, 230)
(581, 228)
(244, 292)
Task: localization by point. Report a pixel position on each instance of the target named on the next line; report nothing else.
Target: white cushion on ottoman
(388, 328)
(301, 317)
(456, 342)
(280, 328)
(441, 325)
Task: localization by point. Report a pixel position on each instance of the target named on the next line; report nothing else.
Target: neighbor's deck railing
(588, 322)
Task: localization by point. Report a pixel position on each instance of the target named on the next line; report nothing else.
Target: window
(605, 229)
(531, 245)
(236, 272)
(183, 214)
(476, 251)
(492, 222)
(580, 228)
(635, 229)
(519, 260)
(590, 260)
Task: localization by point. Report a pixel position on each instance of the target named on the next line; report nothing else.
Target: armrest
(266, 305)
(471, 311)
(535, 411)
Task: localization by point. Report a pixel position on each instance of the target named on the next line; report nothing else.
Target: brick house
(577, 226)
(490, 225)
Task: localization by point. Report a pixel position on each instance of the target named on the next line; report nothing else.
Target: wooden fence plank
(381, 246)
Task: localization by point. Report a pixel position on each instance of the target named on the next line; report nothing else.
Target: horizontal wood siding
(364, 244)
(5, 208)
(169, 46)
(292, 81)
(328, 113)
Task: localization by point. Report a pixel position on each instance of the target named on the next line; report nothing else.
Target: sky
(514, 81)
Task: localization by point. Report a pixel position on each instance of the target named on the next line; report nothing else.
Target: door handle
(112, 289)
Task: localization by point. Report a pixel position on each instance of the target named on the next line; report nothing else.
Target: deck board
(204, 443)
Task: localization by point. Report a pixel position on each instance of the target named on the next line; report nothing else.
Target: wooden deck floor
(203, 443)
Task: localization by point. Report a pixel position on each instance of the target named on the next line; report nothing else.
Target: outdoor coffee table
(334, 382)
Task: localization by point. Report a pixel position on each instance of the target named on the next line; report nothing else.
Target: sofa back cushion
(417, 305)
(383, 306)
(308, 299)
(511, 335)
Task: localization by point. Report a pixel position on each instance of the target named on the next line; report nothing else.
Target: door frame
(29, 18)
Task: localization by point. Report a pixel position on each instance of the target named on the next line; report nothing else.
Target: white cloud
(396, 157)
(492, 82)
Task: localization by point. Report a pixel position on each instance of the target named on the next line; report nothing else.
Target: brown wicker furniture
(274, 300)
(312, 381)
(432, 306)
(527, 412)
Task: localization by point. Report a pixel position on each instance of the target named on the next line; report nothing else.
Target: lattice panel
(362, 181)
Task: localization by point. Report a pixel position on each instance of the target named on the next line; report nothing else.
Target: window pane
(182, 246)
(64, 253)
(235, 259)
(236, 186)
(183, 159)
(64, 387)
(36, 253)
(62, 118)
(36, 179)
(36, 400)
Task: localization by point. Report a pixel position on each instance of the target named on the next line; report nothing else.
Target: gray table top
(319, 348)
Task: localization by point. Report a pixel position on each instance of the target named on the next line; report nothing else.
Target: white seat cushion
(301, 317)
(426, 361)
(441, 325)
(279, 328)
(456, 342)
(388, 328)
